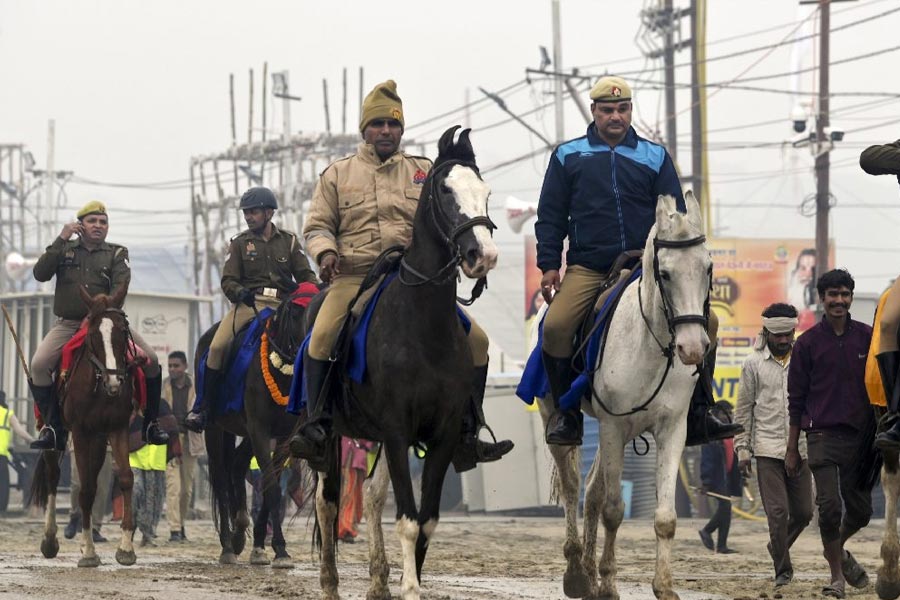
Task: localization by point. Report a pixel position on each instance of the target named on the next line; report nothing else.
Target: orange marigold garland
(279, 398)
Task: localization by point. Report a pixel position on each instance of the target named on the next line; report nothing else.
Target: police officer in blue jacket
(600, 191)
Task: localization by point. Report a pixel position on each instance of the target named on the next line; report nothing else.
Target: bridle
(672, 320)
(449, 235)
(101, 371)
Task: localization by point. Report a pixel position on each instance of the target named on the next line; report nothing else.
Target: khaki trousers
(788, 502)
(46, 358)
(239, 315)
(179, 486)
(576, 297)
(334, 310)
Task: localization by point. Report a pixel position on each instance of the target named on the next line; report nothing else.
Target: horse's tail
(574, 459)
(220, 451)
(41, 485)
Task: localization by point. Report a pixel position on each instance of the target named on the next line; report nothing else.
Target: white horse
(660, 316)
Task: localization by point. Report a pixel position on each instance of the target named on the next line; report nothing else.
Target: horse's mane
(461, 150)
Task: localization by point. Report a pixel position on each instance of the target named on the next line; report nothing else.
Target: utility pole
(669, 62)
(557, 81)
(698, 110)
(823, 161)
(287, 154)
(49, 180)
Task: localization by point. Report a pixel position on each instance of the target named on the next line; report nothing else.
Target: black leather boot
(196, 419)
(311, 440)
(52, 435)
(565, 427)
(888, 366)
(152, 433)
(471, 450)
(702, 426)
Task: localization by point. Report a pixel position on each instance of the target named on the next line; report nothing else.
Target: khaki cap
(94, 207)
(381, 103)
(610, 89)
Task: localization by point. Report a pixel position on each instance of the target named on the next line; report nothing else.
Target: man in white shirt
(762, 408)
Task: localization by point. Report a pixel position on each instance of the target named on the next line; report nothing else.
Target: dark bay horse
(260, 421)
(419, 369)
(97, 405)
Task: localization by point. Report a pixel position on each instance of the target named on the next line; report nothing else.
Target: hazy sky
(136, 88)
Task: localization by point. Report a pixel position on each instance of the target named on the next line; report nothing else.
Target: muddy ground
(472, 557)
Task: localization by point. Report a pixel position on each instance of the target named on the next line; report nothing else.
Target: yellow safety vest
(5, 432)
(148, 458)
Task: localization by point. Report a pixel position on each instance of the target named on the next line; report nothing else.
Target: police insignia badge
(419, 177)
(616, 91)
(396, 114)
(251, 247)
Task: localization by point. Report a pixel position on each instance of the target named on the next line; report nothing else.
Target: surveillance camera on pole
(834, 133)
(799, 118)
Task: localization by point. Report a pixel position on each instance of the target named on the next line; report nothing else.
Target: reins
(101, 371)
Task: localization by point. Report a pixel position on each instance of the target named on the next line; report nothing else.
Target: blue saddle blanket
(534, 382)
(356, 357)
(230, 397)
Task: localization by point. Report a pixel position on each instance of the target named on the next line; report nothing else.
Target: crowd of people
(803, 411)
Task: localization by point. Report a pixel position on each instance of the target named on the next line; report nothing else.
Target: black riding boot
(152, 434)
(196, 419)
(565, 426)
(52, 435)
(702, 426)
(472, 450)
(310, 443)
(889, 367)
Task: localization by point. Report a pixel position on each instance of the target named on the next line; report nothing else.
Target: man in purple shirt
(827, 399)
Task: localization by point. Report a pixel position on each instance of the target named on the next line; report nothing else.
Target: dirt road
(471, 557)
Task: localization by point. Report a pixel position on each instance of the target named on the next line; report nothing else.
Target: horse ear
(85, 297)
(693, 210)
(463, 145)
(118, 297)
(446, 142)
(665, 206)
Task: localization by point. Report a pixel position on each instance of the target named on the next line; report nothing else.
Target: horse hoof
(89, 561)
(258, 557)
(283, 562)
(227, 558)
(576, 584)
(384, 594)
(50, 547)
(667, 595)
(126, 558)
(887, 589)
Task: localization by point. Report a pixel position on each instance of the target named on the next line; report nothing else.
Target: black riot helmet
(258, 197)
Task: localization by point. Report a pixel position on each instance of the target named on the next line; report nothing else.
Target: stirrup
(195, 421)
(155, 436)
(43, 442)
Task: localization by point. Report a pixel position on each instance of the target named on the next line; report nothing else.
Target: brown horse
(97, 405)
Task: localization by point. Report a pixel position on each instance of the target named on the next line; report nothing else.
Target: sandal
(853, 571)
(834, 590)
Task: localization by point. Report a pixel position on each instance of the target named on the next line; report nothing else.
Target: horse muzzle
(478, 260)
(691, 344)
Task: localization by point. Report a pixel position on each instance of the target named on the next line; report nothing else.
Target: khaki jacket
(195, 446)
(101, 271)
(256, 263)
(363, 206)
(762, 408)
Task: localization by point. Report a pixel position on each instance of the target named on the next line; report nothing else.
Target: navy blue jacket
(603, 199)
(826, 380)
(714, 474)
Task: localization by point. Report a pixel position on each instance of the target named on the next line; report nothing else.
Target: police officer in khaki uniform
(364, 204)
(262, 265)
(884, 159)
(101, 267)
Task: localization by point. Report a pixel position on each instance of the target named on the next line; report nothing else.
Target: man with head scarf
(762, 409)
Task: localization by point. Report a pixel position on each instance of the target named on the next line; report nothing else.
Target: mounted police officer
(261, 269)
(91, 262)
(600, 191)
(364, 204)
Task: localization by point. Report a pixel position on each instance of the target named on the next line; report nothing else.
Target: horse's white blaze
(106, 327)
(472, 198)
(408, 531)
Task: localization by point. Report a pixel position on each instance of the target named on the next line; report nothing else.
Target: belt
(269, 292)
